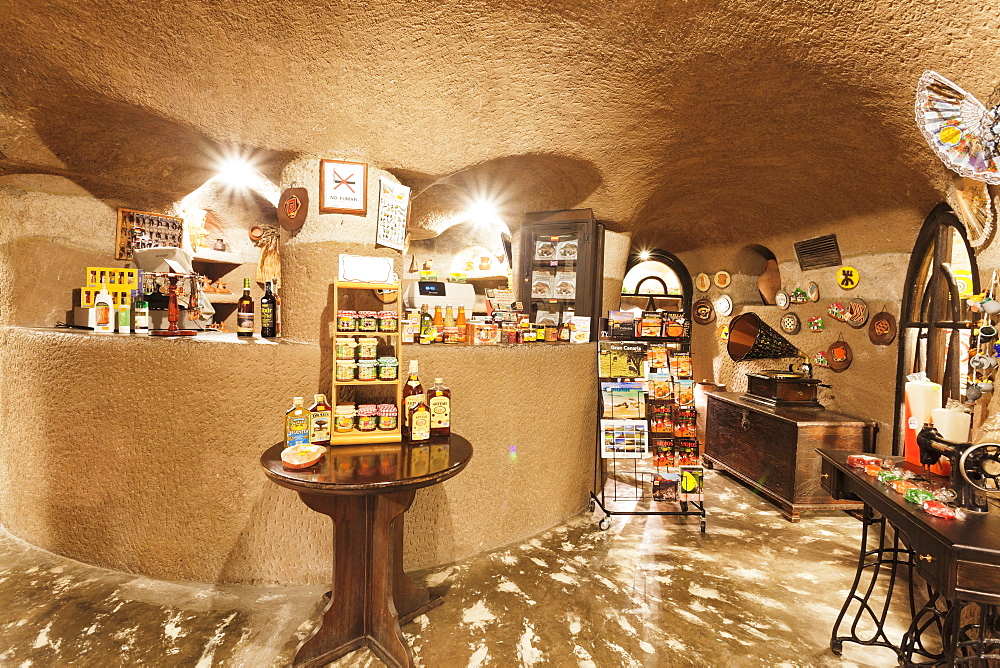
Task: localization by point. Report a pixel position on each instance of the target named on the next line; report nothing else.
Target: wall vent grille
(818, 252)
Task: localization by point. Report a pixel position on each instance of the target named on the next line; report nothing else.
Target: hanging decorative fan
(962, 131)
(971, 201)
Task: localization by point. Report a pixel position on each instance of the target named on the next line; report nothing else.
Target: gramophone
(975, 468)
(751, 338)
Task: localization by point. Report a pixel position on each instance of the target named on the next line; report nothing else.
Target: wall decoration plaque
(798, 296)
(857, 313)
(393, 210)
(703, 312)
(142, 229)
(724, 305)
(820, 359)
(840, 355)
(343, 187)
(848, 278)
(703, 282)
(781, 299)
(293, 206)
(882, 328)
(836, 311)
(813, 290)
(790, 323)
(723, 279)
(816, 324)
(724, 332)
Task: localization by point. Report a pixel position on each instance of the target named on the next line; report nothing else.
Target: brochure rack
(648, 456)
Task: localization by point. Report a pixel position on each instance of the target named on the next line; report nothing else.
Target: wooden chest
(773, 449)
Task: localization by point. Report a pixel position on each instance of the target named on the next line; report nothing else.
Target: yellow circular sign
(848, 278)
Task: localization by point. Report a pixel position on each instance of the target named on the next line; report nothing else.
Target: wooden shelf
(368, 286)
(365, 382)
(220, 298)
(360, 437)
(340, 333)
(221, 257)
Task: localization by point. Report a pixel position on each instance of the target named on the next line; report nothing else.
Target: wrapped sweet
(901, 485)
(861, 461)
(873, 469)
(886, 476)
(938, 509)
(918, 495)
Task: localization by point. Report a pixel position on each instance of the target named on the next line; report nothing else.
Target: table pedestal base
(371, 594)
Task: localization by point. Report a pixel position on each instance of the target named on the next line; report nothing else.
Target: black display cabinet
(562, 266)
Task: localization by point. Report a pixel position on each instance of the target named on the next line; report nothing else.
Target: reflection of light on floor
(513, 453)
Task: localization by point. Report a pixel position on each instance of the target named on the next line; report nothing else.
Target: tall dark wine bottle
(244, 311)
(268, 313)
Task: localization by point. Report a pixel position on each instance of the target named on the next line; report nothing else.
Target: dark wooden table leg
(410, 600)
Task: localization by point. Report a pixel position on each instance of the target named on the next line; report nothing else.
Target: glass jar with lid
(367, 348)
(343, 418)
(367, 417)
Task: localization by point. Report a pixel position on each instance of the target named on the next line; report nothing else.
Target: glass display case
(562, 263)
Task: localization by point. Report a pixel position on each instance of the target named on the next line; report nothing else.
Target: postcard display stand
(648, 455)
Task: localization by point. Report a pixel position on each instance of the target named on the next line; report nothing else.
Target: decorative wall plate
(703, 312)
(781, 299)
(798, 296)
(836, 311)
(816, 324)
(724, 332)
(724, 305)
(702, 282)
(813, 291)
(790, 323)
(293, 208)
(857, 313)
(848, 278)
(820, 359)
(723, 279)
(882, 328)
(840, 355)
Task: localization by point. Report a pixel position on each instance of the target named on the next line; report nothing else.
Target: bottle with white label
(297, 424)
(124, 315)
(439, 401)
(413, 392)
(104, 322)
(320, 417)
(141, 315)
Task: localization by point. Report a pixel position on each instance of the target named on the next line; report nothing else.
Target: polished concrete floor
(755, 590)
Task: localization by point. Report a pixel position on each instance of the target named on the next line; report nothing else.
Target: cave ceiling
(689, 123)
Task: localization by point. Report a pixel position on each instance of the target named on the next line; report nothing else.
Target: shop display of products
(296, 424)
(861, 461)
(439, 401)
(388, 321)
(367, 321)
(918, 495)
(347, 321)
(320, 418)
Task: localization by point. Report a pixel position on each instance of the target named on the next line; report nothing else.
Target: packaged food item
(901, 485)
(886, 476)
(918, 495)
(388, 321)
(344, 348)
(367, 321)
(343, 418)
(873, 469)
(347, 321)
(388, 417)
(367, 370)
(938, 509)
(367, 417)
(367, 348)
(345, 370)
(861, 461)
(388, 368)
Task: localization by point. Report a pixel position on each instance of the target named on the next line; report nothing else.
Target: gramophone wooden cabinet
(773, 450)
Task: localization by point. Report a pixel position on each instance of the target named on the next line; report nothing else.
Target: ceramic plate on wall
(781, 299)
(724, 305)
(848, 278)
(840, 356)
(813, 291)
(703, 312)
(882, 328)
(723, 279)
(702, 282)
(857, 313)
(790, 323)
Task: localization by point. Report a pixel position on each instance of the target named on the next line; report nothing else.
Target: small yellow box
(115, 278)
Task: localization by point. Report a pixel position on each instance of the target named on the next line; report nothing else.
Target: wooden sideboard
(774, 449)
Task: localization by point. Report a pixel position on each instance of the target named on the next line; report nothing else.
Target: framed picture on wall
(343, 187)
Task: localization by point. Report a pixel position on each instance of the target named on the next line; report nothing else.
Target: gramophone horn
(751, 338)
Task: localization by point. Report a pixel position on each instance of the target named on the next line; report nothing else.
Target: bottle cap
(319, 398)
(246, 283)
(439, 381)
(413, 366)
(297, 401)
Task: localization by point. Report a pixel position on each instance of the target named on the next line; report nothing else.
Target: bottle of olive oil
(296, 424)
(320, 416)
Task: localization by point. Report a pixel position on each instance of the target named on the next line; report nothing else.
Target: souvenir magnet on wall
(702, 282)
(848, 278)
(857, 313)
(798, 296)
(882, 328)
(703, 312)
(724, 305)
(790, 323)
(820, 359)
(813, 291)
(723, 279)
(836, 311)
(292, 208)
(840, 355)
(724, 333)
(815, 324)
(781, 299)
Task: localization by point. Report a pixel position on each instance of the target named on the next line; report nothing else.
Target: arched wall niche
(756, 276)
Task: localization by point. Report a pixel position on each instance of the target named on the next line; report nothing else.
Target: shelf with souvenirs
(649, 458)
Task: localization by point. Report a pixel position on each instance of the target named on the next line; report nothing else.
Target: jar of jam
(388, 321)
(345, 370)
(388, 368)
(367, 321)
(344, 348)
(343, 418)
(367, 348)
(367, 417)
(388, 417)
(367, 370)
(347, 321)
(551, 334)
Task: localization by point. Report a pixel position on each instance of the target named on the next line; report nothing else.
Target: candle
(922, 396)
(953, 425)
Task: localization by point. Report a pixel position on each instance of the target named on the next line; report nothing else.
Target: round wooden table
(365, 490)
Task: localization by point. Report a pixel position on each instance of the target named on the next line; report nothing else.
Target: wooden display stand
(364, 297)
